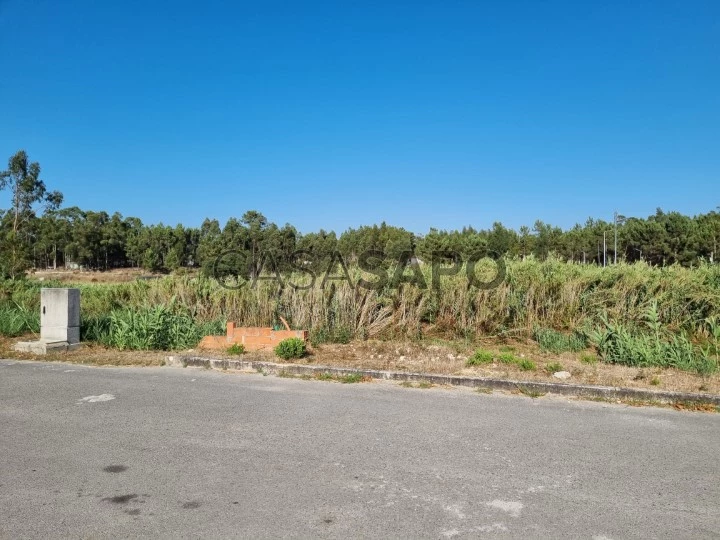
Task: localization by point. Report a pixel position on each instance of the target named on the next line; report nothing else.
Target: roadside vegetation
(632, 314)
(657, 307)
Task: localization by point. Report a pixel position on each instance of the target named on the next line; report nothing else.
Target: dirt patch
(88, 354)
(449, 358)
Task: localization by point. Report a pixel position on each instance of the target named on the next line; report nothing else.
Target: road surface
(91, 452)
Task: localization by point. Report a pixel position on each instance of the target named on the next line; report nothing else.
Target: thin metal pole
(615, 216)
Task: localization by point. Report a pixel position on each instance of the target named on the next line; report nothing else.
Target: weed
(324, 376)
(484, 390)
(553, 367)
(480, 357)
(507, 358)
(285, 374)
(420, 384)
(695, 406)
(529, 392)
(507, 348)
(351, 378)
(526, 365)
(557, 342)
(586, 358)
(236, 349)
(655, 381)
(16, 320)
(621, 345)
(340, 334)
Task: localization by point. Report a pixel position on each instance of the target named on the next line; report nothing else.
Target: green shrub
(480, 357)
(291, 348)
(588, 358)
(236, 349)
(507, 358)
(526, 365)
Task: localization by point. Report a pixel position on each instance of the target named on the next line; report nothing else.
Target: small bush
(291, 348)
(507, 358)
(236, 349)
(526, 365)
(480, 357)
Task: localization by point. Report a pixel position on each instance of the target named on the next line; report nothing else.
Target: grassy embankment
(630, 314)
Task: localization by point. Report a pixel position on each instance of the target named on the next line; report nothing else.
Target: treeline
(35, 232)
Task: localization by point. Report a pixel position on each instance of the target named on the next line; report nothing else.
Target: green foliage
(27, 191)
(340, 334)
(507, 358)
(557, 342)
(149, 328)
(526, 365)
(586, 358)
(16, 321)
(553, 367)
(236, 349)
(480, 357)
(351, 378)
(291, 348)
(617, 343)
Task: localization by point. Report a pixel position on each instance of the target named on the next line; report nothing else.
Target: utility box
(60, 315)
(59, 322)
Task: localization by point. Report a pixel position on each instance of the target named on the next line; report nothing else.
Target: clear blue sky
(337, 114)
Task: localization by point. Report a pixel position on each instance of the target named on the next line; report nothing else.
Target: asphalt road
(170, 452)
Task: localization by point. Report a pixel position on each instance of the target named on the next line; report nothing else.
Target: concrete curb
(565, 389)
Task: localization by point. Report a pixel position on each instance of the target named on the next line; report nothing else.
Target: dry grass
(88, 354)
(120, 275)
(550, 294)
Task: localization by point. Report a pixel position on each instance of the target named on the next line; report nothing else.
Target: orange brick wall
(252, 338)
